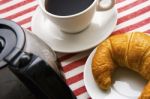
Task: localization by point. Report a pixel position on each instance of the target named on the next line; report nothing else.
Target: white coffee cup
(78, 21)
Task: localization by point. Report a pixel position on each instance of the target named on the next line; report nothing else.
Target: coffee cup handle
(100, 7)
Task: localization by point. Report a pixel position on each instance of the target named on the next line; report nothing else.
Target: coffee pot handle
(39, 77)
(101, 7)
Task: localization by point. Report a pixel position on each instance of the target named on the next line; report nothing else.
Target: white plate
(101, 27)
(126, 83)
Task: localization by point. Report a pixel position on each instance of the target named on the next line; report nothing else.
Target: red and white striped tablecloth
(133, 15)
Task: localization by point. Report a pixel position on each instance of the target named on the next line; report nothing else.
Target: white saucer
(126, 84)
(101, 27)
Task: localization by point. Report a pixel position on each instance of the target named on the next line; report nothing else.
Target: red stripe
(134, 14)
(74, 64)
(15, 6)
(74, 79)
(133, 26)
(119, 1)
(79, 91)
(147, 31)
(29, 28)
(24, 21)
(65, 57)
(4, 1)
(121, 9)
(21, 13)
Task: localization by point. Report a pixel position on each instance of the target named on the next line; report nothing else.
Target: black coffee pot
(29, 69)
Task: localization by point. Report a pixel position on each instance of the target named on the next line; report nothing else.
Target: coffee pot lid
(12, 39)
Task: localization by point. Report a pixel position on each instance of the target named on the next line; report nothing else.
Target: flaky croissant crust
(131, 50)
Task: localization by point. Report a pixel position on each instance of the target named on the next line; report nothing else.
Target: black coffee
(66, 7)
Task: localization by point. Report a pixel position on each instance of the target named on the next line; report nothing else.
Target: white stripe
(19, 9)
(12, 2)
(74, 72)
(83, 96)
(27, 25)
(77, 85)
(75, 58)
(20, 18)
(133, 9)
(142, 29)
(124, 3)
(133, 20)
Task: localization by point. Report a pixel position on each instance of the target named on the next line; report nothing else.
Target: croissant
(130, 50)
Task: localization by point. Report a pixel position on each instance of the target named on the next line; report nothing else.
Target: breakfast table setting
(75, 50)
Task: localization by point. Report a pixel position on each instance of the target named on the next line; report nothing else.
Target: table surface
(133, 15)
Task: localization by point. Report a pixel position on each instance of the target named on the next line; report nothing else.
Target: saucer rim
(83, 49)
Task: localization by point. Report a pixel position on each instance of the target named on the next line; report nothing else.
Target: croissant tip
(105, 85)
